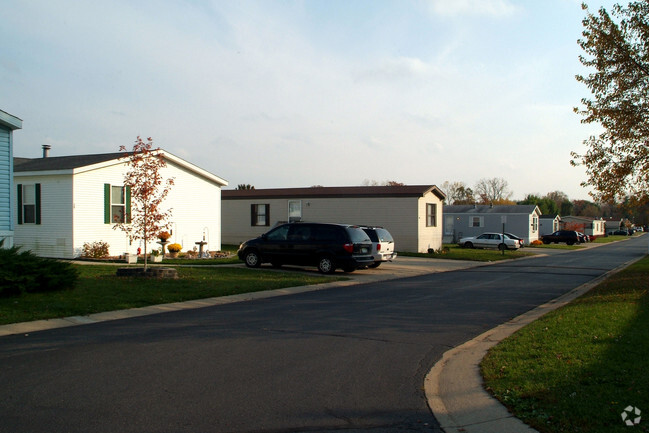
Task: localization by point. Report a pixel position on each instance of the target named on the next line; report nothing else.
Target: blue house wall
(8, 123)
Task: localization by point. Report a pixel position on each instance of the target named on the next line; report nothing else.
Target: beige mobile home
(412, 213)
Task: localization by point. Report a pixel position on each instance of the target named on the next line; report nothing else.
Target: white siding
(405, 218)
(195, 205)
(53, 237)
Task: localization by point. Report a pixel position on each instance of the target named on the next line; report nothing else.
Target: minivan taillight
(349, 248)
(378, 247)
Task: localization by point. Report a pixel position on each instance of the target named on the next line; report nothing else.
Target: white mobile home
(412, 213)
(472, 220)
(64, 202)
(8, 124)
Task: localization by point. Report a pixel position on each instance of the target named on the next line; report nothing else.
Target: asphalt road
(350, 358)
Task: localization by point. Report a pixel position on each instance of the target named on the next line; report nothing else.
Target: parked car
(490, 240)
(570, 237)
(583, 238)
(382, 245)
(520, 240)
(620, 232)
(327, 246)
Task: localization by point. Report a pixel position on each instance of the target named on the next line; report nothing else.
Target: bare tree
(458, 193)
(493, 191)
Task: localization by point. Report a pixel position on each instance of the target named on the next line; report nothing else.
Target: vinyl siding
(195, 205)
(72, 209)
(518, 224)
(5, 181)
(53, 237)
(404, 217)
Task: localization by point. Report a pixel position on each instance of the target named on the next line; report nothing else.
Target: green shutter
(107, 203)
(37, 191)
(253, 215)
(127, 200)
(19, 195)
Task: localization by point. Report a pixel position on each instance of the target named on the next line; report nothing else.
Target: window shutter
(19, 195)
(106, 203)
(127, 200)
(267, 215)
(37, 190)
(253, 215)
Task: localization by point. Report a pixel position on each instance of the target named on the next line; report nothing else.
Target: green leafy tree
(616, 47)
(245, 186)
(148, 191)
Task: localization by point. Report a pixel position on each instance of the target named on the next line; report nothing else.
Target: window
(260, 215)
(535, 224)
(117, 204)
(294, 210)
(29, 203)
(475, 222)
(431, 215)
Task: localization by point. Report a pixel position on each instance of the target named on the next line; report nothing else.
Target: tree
(245, 186)
(493, 191)
(148, 191)
(617, 47)
(457, 193)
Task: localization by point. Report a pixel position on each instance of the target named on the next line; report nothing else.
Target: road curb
(454, 387)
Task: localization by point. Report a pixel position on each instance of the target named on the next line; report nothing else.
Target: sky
(282, 94)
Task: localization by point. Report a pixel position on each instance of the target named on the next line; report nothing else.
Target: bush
(95, 250)
(536, 242)
(24, 272)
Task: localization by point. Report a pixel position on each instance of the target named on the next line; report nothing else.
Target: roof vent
(46, 150)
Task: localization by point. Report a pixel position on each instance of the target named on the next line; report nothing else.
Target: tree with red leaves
(148, 191)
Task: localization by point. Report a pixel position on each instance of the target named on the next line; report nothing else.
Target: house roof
(550, 216)
(334, 191)
(582, 218)
(10, 121)
(488, 209)
(62, 162)
(79, 163)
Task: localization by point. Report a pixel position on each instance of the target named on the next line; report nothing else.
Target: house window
(476, 222)
(260, 215)
(431, 215)
(117, 204)
(295, 210)
(29, 203)
(535, 224)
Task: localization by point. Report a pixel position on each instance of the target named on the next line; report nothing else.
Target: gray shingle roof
(487, 209)
(62, 162)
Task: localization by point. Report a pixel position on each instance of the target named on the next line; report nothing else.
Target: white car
(490, 240)
(383, 245)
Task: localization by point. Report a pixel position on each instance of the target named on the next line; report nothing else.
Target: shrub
(95, 250)
(536, 242)
(23, 271)
(174, 248)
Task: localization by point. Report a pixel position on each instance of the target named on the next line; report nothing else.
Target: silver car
(490, 240)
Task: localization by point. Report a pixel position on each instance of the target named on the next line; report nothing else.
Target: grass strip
(455, 252)
(577, 368)
(99, 289)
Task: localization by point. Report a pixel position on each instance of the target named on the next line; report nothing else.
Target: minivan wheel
(375, 265)
(326, 265)
(252, 259)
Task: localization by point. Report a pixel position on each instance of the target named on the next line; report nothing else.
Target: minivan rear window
(356, 234)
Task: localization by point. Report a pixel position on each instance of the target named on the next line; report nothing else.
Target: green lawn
(455, 252)
(577, 368)
(99, 289)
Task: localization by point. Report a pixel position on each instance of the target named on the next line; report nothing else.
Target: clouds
(491, 8)
(281, 94)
